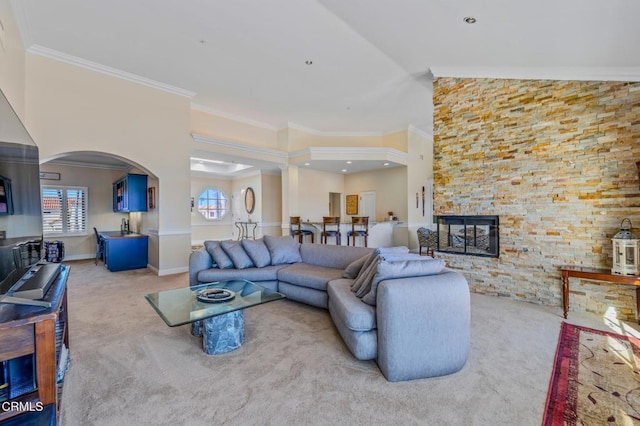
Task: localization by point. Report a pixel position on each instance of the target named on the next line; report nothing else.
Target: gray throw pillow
(258, 252)
(239, 257)
(283, 249)
(402, 269)
(218, 254)
(354, 268)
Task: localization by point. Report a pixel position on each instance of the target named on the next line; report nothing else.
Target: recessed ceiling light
(348, 162)
(470, 20)
(385, 164)
(308, 62)
(344, 170)
(307, 164)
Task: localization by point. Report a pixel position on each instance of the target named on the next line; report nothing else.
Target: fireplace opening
(469, 235)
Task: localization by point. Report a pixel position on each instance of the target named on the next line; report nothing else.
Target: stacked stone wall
(556, 160)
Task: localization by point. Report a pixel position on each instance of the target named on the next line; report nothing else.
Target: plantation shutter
(76, 210)
(52, 216)
(64, 210)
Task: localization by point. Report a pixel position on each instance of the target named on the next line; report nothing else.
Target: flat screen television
(20, 206)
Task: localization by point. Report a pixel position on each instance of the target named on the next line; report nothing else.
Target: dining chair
(359, 228)
(330, 228)
(295, 229)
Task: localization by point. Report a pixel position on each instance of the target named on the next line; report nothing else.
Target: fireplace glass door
(469, 235)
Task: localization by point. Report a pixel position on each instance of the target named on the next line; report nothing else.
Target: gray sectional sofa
(408, 313)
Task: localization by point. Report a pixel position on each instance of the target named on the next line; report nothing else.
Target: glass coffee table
(214, 310)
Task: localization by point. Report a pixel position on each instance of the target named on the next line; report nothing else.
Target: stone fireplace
(556, 160)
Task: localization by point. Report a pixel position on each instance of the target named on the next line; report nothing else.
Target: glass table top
(181, 306)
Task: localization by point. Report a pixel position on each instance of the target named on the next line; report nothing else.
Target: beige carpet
(129, 368)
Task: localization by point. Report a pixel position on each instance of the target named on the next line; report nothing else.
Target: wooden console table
(596, 275)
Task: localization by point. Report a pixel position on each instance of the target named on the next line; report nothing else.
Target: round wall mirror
(249, 200)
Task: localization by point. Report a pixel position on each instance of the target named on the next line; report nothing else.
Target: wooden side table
(596, 275)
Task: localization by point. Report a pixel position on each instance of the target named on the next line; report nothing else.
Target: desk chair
(99, 246)
(295, 229)
(330, 228)
(359, 228)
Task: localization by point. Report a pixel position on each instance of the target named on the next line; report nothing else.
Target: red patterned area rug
(595, 379)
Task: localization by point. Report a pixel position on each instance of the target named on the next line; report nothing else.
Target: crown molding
(355, 152)
(542, 73)
(229, 116)
(238, 146)
(103, 69)
(315, 132)
(420, 132)
(89, 165)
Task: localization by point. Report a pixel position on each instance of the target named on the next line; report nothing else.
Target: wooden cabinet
(41, 332)
(130, 193)
(123, 251)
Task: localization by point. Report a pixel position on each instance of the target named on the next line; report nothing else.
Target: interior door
(367, 205)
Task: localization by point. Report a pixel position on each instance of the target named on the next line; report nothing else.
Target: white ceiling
(371, 58)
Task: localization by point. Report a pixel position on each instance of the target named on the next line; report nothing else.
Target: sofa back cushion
(236, 253)
(283, 249)
(257, 251)
(218, 255)
(386, 270)
(353, 269)
(332, 256)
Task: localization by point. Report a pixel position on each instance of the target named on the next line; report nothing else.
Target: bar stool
(330, 228)
(295, 228)
(359, 228)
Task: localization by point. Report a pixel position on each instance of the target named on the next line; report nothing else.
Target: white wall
(271, 203)
(203, 229)
(313, 193)
(71, 109)
(419, 171)
(390, 188)
(12, 61)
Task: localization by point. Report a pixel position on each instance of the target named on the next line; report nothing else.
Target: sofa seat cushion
(355, 315)
(268, 273)
(311, 276)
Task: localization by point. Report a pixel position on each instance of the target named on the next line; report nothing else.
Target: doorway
(335, 206)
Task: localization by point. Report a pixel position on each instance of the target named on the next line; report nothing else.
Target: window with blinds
(64, 210)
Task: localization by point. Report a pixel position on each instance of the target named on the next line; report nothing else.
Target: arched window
(213, 204)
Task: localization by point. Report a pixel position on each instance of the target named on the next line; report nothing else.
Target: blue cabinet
(125, 251)
(130, 193)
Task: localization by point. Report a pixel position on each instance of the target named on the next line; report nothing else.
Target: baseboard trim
(171, 271)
